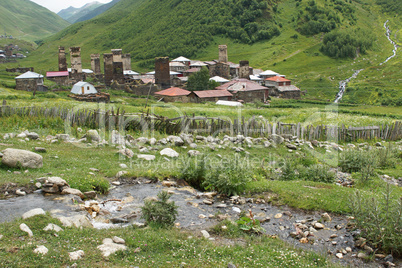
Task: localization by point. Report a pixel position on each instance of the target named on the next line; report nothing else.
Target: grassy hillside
(72, 14)
(26, 20)
(286, 36)
(97, 11)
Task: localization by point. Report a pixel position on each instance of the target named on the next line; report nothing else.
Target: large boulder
(277, 139)
(33, 212)
(169, 152)
(21, 158)
(92, 135)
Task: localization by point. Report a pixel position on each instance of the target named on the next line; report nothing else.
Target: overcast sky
(57, 5)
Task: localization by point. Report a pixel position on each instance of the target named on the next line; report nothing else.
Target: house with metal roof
(210, 95)
(246, 90)
(60, 77)
(219, 79)
(30, 81)
(279, 86)
(174, 94)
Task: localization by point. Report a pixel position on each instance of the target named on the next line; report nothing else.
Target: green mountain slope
(97, 11)
(72, 14)
(285, 36)
(26, 20)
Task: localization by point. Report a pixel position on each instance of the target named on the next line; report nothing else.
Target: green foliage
(379, 219)
(319, 173)
(250, 224)
(391, 6)
(90, 183)
(304, 168)
(347, 43)
(161, 212)
(228, 177)
(199, 80)
(195, 171)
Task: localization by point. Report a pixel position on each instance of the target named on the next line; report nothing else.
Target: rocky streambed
(198, 212)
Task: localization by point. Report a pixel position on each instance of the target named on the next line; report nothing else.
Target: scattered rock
(40, 149)
(169, 184)
(169, 152)
(57, 181)
(277, 139)
(231, 265)
(63, 137)
(38, 185)
(118, 240)
(291, 146)
(205, 234)
(90, 194)
(126, 152)
(75, 221)
(278, 216)
(147, 157)
(318, 225)
(25, 228)
(121, 174)
(33, 212)
(76, 255)
(208, 202)
(339, 255)
(92, 135)
(193, 153)
(20, 192)
(325, 217)
(362, 255)
(123, 165)
(109, 247)
(53, 227)
(72, 191)
(41, 250)
(21, 158)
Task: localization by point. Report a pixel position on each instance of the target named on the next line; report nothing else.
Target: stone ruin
(95, 64)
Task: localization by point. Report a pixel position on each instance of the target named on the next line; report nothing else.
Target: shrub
(379, 220)
(195, 171)
(359, 161)
(160, 212)
(249, 224)
(319, 173)
(85, 184)
(228, 178)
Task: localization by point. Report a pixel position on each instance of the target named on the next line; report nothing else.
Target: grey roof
(29, 75)
(288, 88)
(181, 58)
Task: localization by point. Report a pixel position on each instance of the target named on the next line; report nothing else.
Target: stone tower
(162, 72)
(62, 59)
(75, 57)
(126, 62)
(223, 53)
(244, 69)
(108, 68)
(117, 55)
(95, 63)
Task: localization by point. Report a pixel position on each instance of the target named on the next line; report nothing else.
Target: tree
(199, 80)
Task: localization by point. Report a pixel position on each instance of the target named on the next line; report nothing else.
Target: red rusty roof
(241, 84)
(277, 79)
(57, 74)
(212, 93)
(173, 91)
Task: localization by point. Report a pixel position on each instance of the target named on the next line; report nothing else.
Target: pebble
(20, 192)
(25, 228)
(116, 183)
(41, 250)
(205, 234)
(361, 255)
(278, 216)
(339, 255)
(118, 240)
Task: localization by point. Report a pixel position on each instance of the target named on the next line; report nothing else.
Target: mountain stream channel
(344, 83)
(197, 211)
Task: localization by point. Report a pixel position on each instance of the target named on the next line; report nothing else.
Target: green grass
(158, 248)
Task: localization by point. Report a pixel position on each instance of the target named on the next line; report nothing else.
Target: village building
(174, 94)
(267, 74)
(83, 88)
(191, 71)
(281, 87)
(219, 79)
(30, 81)
(182, 60)
(60, 77)
(210, 95)
(176, 66)
(246, 90)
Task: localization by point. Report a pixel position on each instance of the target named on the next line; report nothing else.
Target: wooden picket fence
(253, 127)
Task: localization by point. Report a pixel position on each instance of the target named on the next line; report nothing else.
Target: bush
(228, 178)
(364, 162)
(195, 171)
(319, 173)
(379, 220)
(85, 184)
(162, 213)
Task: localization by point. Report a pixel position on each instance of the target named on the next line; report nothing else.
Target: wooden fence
(253, 127)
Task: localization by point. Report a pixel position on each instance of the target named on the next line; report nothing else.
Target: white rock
(123, 165)
(205, 234)
(33, 212)
(41, 250)
(118, 240)
(58, 181)
(117, 138)
(147, 157)
(236, 209)
(53, 227)
(25, 228)
(121, 174)
(169, 152)
(75, 221)
(1, 237)
(193, 153)
(318, 225)
(126, 152)
(76, 255)
(93, 135)
(68, 190)
(20, 192)
(110, 248)
(339, 255)
(21, 158)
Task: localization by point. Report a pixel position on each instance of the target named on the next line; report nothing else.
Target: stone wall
(244, 69)
(95, 63)
(126, 58)
(108, 68)
(251, 96)
(30, 84)
(223, 53)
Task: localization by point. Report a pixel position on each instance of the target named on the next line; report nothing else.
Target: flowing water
(344, 83)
